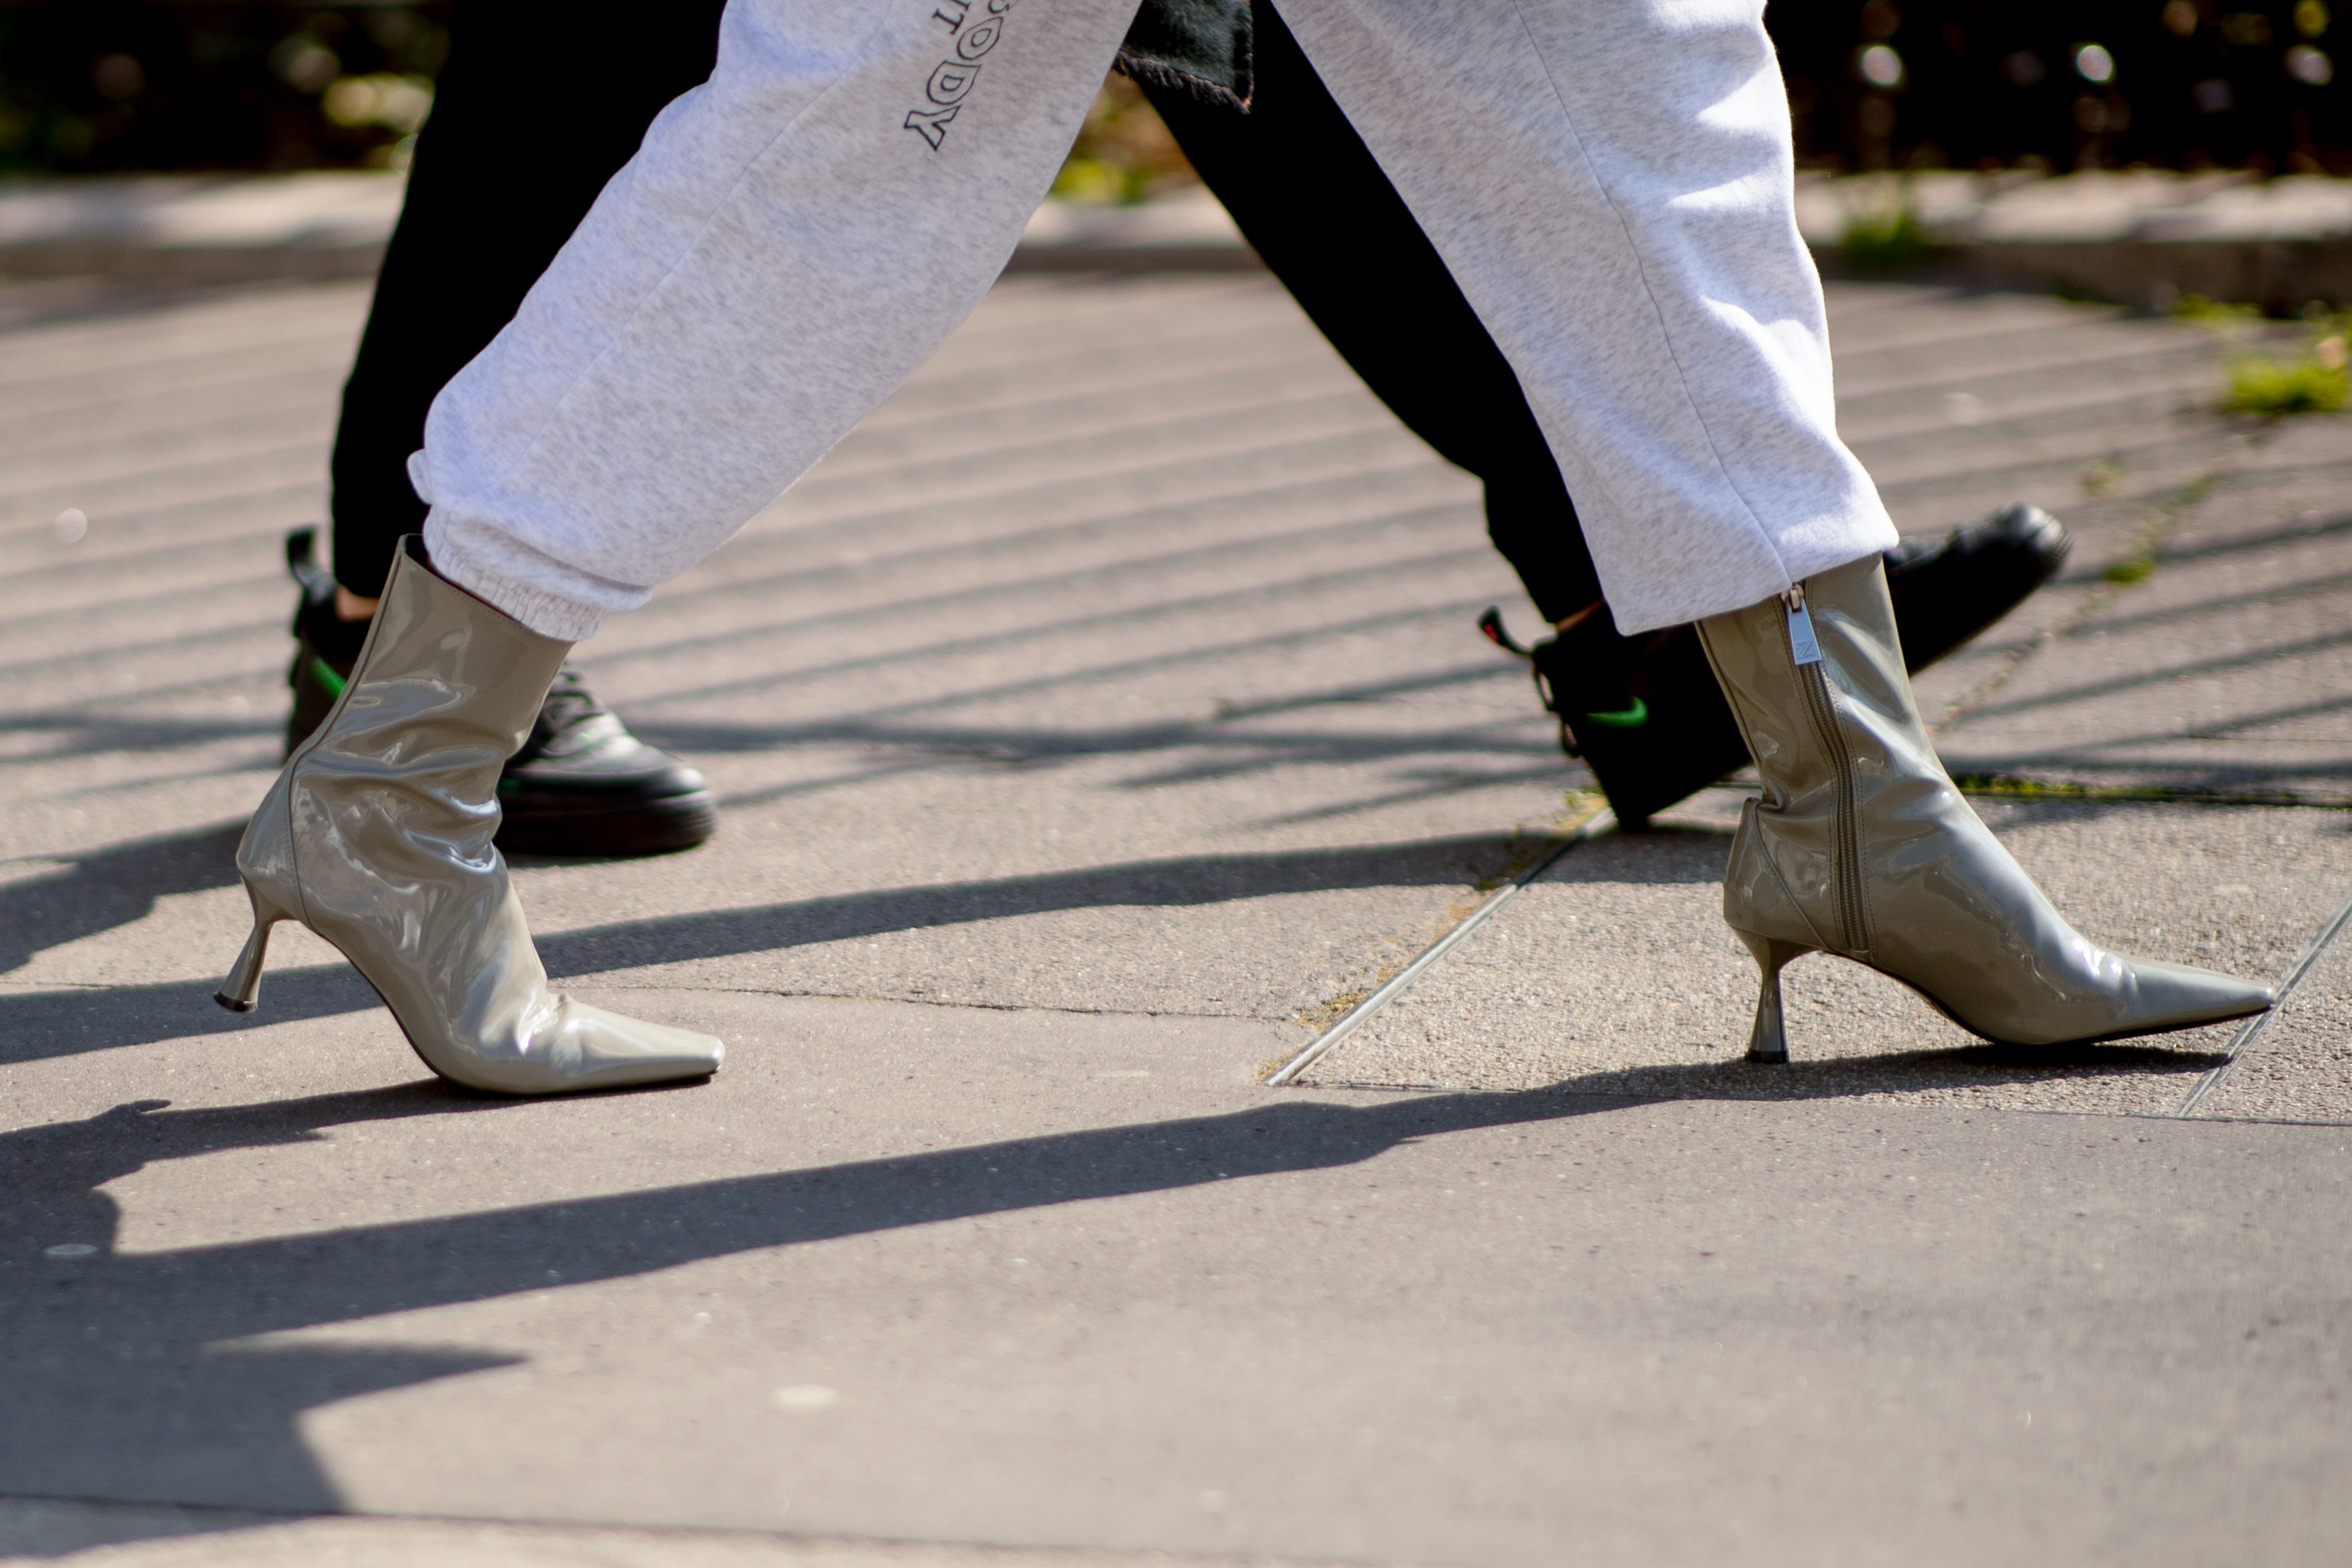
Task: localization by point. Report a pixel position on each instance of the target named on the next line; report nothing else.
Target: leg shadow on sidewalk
(136, 1377)
(1887, 1075)
(103, 889)
(36, 1026)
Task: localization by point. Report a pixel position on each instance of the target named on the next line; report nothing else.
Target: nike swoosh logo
(1632, 717)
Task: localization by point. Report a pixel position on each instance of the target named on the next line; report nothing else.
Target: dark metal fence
(176, 84)
(2087, 84)
(90, 85)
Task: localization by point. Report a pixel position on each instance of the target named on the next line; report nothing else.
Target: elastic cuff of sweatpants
(545, 611)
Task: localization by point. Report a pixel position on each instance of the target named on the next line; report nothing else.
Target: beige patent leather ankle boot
(1861, 847)
(377, 836)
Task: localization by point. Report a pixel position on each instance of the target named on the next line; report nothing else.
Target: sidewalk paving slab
(2224, 670)
(1613, 974)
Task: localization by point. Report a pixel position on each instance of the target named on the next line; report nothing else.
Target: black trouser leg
(538, 107)
(1307, 193)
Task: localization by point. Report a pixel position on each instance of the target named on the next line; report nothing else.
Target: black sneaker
(1946, 590)
(581, 785)
(1644, 713)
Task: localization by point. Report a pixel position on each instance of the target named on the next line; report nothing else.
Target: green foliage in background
(2309, 379)
(1872, 84)
(1123, 155)
(2303, 385)
(95, 87)
(1886, 235)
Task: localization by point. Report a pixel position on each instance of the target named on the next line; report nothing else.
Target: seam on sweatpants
(1643, 271)
(530, 447)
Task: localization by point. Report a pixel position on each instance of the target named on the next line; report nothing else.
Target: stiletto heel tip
(1773, 1058)
(234, 1004)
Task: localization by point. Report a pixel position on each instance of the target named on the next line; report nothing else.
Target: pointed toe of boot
(2111, 997)
(573, 1048)
(596, 1049)
(2168, 996)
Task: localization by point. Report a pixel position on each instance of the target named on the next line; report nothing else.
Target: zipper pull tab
(1802, 649)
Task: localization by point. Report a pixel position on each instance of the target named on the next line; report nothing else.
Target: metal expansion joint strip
(1355, 1017)
(2254, 1025)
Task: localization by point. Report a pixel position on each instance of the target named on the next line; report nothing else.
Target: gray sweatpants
(1609, 180)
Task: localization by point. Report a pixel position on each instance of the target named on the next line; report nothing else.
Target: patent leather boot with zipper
(377, 836)
(1861, 847)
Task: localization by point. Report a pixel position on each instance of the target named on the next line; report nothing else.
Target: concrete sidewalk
(1097, 725)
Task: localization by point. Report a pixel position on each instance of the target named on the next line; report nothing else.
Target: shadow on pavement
(2174, 674)
(1845, 1078)
(103, 889)
(123, 1378)
(36, 1026)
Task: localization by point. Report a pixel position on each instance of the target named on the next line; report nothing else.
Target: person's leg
(1311, 201)
(1684, 368)
(1610, 184)
(791, 241)
(1643, 713)
(788, 243)
(538, 107)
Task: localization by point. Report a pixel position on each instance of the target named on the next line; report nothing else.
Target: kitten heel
(241, 992)
(1768, 1041)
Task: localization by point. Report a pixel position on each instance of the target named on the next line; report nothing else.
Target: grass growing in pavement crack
(1397, 949)
(2139, 561)
(2011, 787)
(2259, 384)
(2311, 379)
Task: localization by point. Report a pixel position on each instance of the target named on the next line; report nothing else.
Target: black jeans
(508, 167)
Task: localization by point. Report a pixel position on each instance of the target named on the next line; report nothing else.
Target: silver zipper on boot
(1805, 654)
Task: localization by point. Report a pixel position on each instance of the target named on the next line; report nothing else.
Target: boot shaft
(1816, 680)
(443, 681)
(1856, 805)
(398, 787)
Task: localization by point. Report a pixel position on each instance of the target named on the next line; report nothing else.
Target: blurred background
(104, 86)
(98, 86)
(1982, 84)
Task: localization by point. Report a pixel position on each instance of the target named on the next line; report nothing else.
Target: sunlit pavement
(1091, 727)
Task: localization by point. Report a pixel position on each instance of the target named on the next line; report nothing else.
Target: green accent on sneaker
(325, 674)
(1632, 717)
